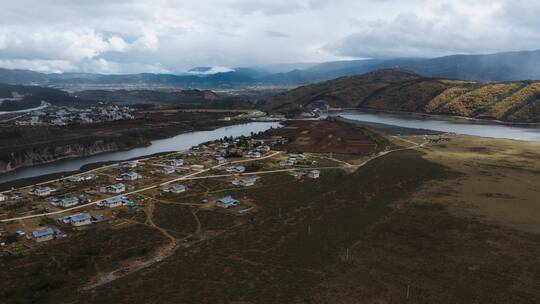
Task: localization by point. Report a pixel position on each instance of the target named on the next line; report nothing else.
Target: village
(58, 209)
(63, 115)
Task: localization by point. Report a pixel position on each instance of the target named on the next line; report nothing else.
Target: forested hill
(391, 89)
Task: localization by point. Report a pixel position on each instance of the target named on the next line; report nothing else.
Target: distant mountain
(398, 90)
(510, 66)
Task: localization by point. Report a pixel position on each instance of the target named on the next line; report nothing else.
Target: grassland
(453, 221)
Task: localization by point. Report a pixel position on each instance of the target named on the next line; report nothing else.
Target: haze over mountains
(509, 66)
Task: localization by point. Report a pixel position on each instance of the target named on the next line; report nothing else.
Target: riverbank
(30, 146)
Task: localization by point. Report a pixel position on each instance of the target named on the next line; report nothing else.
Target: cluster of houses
(62, 116)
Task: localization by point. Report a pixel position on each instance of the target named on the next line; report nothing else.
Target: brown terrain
(327, 137)
(449, 222)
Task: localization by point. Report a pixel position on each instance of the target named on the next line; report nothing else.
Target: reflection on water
(177, 143)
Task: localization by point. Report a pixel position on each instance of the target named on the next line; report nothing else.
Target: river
(443, 124)
(187, 140)
(177, 143)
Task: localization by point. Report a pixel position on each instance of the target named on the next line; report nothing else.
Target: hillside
(508, 66)
(405, 91)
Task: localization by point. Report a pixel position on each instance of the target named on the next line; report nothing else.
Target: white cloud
(166, 35)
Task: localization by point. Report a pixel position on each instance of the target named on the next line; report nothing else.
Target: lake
(442, 124)
(177, 143)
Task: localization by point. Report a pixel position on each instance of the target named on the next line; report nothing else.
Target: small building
(130, 176)
(314, 173)
(67, 202)
(81, 178)
(42, 191)
(227, 202)
(176, 188)
(245, 182)
(254, 154)
(286, 163)
(175, 162)
(116, 188)
(80, 219)
(236, 169)
(3, 197)
(296, 156)
(43, 234)
(129, 165)
(197, 167)
(168, 170)
(112, 202)
(220, 160)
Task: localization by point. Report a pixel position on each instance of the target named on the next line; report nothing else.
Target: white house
(227, 202)
(112, 202)
(175, 162)
(246, 182)
(3, 197)
(130, 176)
(67, 202)
(116, 188)
(254, 154)
(236, 169)
(220, 160)
(286, 163)
(314, 173)
(177, 188)
(168, 170)
(42, 191)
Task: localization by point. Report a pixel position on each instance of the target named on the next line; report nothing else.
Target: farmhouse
(314, 173)
(246, 182)
(42, 191)
(286, 163)
(175, 162)
(80, 219)
(2, 197)
(227, 202)
(130, 176)
(177, 188)
(236, 169)
(220, 160)
(129, 165)
(116, 188)
(67, 202)
(254, 154)
(43, 234)
(168, 170)
(80, 178)
(112, 202)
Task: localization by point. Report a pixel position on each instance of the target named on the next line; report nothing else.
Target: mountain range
(509, 66)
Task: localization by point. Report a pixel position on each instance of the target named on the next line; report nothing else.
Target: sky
(166, 36)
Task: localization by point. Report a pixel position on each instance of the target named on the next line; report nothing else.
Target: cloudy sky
(123, 36)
